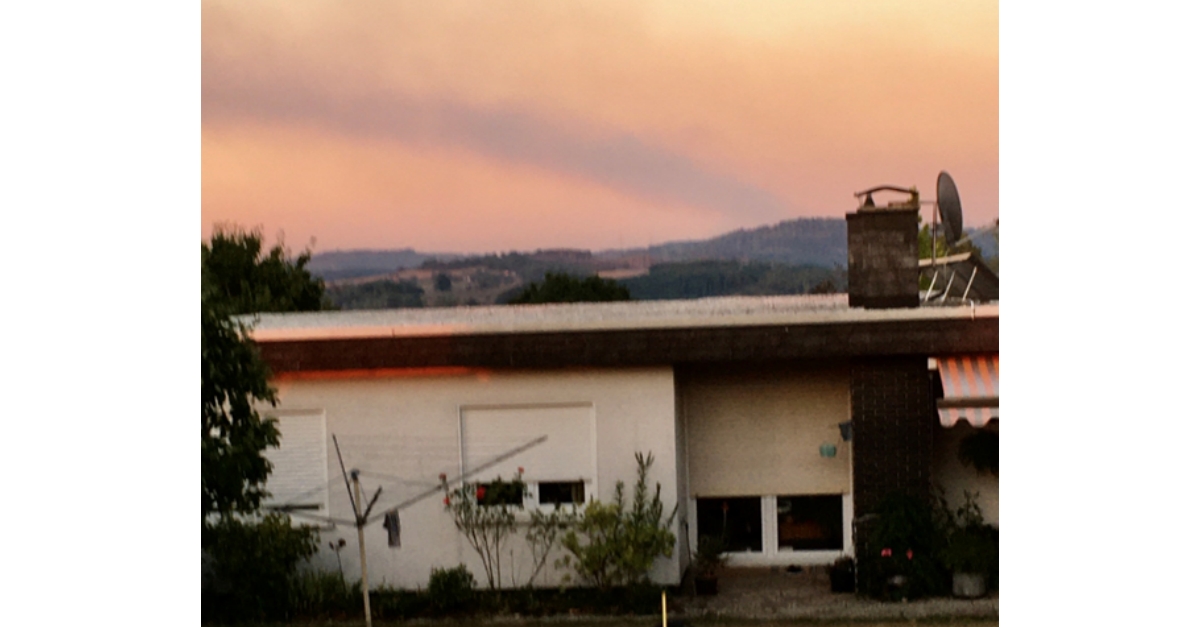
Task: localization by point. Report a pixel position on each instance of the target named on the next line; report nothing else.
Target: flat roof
(729, 311)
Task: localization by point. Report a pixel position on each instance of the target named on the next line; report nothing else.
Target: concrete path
(762, 593)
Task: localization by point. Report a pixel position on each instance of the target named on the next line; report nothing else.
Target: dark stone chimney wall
(893, 412)
(882, 268)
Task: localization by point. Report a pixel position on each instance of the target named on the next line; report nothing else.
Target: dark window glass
(808, 523)
(560, 493)
(736, 520)
(500, 493)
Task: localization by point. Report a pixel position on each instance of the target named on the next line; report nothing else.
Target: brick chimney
(882, 246)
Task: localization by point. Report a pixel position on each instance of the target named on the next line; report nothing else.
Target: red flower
(446, 501)
(520, 470)
(886, 553)
(442, 477)
(480, 492)
(909, 554)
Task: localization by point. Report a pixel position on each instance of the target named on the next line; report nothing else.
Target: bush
(322, 594)
(451, 589)
(903, 543)
(254, 567)
(621, 545)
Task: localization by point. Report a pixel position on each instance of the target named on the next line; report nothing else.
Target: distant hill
(801, 242)
(791, 257)
(347, 264)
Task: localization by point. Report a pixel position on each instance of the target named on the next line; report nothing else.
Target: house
(775, 421)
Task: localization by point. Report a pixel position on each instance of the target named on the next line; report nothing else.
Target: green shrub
(610, 546)
(452, 589)
(321, 594)
(254, 566)
(971, 546)
(904, 540)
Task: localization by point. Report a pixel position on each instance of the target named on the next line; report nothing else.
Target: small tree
(484, 513)
(609, 545)
(545, 529)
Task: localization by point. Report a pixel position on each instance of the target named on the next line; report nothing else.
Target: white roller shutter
(300, 476)
(761, 434)
(568, 454)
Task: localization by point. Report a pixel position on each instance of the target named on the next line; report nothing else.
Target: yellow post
(664, 606)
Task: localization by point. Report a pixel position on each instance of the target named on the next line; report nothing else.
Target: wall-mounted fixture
(847, 429)
(828, 450)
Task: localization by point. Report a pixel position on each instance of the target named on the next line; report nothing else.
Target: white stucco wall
(402, 431)
(954, 477)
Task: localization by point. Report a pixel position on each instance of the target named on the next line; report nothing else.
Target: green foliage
(236, 277)
(709, 557)
(543, 533)
(903, 543)
(702, 279)
(564, 288)
(971, 546)
(451, 589)
(609, 545)
(233, 378)
(248, 280)
(482, 515)
(254, 565)
(981, 450)
(323, 594)
(925, 245)
(442, 282)
(378, 295)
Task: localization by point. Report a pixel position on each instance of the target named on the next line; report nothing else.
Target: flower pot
(969, 585)
(706, 586)
(841, 578)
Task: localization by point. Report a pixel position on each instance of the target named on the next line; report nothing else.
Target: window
(808, 523)
(738, 520)
(560, 492)
(500, 492)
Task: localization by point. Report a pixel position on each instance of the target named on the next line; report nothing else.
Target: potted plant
(708, 560)
(841, 575)
(971, 551)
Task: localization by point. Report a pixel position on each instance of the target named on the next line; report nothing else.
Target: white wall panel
(567, 454)
(300, 465)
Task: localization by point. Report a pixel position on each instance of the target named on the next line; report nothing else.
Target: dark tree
(564, 288)
(442, 282)
(238, 278)
(246, 279)
(233, 379)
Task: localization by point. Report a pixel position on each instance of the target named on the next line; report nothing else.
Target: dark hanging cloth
(391, 522)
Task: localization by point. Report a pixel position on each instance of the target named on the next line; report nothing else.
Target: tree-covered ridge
(564, 288)
(804, 241)
(701, 279)
(382, 294)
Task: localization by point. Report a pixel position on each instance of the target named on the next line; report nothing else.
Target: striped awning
(971, 389)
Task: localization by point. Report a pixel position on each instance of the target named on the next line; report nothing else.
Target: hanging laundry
(391, 522)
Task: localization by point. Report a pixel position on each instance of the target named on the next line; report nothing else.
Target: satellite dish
(949, 207)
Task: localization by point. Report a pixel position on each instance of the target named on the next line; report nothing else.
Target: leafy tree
(442, 282)
(238, 278)
(233, 378)
(248, 280)
(564, 288)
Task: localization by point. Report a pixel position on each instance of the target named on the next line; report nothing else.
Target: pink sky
(477, 126)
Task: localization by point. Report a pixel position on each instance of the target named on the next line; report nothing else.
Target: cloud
(568, 146)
